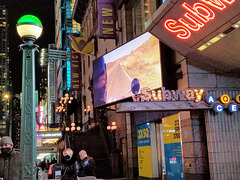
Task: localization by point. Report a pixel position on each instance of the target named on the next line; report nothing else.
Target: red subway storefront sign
(196, 16)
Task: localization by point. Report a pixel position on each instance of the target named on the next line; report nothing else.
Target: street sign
(52, 149)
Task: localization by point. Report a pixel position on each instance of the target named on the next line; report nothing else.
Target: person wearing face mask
(68, 172)
(9, 160)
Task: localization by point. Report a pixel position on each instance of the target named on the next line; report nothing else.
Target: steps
(94, 141)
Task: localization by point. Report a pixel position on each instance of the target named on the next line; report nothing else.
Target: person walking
(42, 164)
(9, 160)
(87, 165)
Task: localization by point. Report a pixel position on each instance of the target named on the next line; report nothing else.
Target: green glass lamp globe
(29, 26)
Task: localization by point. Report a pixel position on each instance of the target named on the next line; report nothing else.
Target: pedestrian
(47, 165)
(68, 165)
(53, 161)
(87, 165)
(42, 164)
(9, 160)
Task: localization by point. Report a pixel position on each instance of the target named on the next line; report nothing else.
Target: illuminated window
(150, 7)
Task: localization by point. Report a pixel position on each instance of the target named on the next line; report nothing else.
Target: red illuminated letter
(197, 24)
(218, 3)
(197, 10)
(183, 32)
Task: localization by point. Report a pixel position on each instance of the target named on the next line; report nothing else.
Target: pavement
(45, 177)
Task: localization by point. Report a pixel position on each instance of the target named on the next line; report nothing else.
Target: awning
(208, 31)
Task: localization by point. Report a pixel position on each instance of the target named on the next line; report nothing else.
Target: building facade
(4, 72)
(16, 120)
(64, 26)
(180, 131)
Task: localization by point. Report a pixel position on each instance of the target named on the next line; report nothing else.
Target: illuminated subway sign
(196, 17)
(225, 102)
(162, 94)
(168, 95)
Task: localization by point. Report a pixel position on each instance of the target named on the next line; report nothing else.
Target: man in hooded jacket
(9, 160)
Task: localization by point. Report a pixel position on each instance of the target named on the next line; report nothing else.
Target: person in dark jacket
(87, 165)
(68, 165)
(9, 160)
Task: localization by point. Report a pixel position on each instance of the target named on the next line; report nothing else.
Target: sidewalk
(45, 177)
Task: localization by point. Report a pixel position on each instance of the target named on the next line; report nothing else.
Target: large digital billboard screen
(123, 71)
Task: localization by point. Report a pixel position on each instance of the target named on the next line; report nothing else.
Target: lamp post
(62, 109)
(112, 129)
(88, 112)
(115, 154)
(71, 132)
(29, 29)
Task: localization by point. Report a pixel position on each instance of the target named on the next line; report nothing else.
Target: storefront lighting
(203, 47)
(212, 41)
(237, 25)
(218, 37)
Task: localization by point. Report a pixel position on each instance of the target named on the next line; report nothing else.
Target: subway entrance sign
(191, 27)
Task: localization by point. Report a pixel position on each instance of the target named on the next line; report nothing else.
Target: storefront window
(150, 6)
(138, 18)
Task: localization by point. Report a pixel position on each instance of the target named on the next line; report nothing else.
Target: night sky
(44, 10)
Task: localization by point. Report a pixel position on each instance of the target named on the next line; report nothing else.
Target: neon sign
(41, 114)
(196, 17)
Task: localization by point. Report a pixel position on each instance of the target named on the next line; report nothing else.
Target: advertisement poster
(172, 147)
(144, 151)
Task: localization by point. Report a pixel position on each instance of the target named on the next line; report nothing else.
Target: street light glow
(29, 26)
(6, 96)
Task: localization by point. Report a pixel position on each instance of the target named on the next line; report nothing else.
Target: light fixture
(219, 36)
(112, 129)
(29, 26)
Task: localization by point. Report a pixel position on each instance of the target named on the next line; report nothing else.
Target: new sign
(106, 19)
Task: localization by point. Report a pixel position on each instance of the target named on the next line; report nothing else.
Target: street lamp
(70, 132)
(29, 29)
(62, 109)
(88, 112)
(112, 129)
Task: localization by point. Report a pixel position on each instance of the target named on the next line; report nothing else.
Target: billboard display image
(135, 64)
